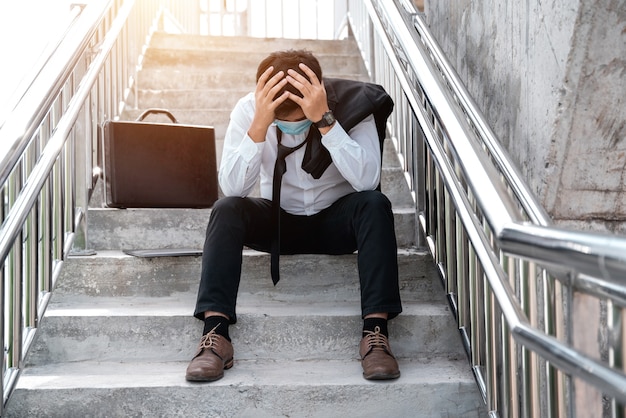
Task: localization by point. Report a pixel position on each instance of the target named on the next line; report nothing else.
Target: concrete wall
(551, 79)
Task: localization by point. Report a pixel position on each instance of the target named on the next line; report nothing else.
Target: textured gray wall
(550, 78)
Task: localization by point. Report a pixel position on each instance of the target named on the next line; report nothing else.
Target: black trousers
(360, 221)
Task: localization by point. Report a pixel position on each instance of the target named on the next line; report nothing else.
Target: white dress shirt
(356, 163)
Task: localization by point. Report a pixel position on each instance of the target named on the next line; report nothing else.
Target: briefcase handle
(157, 111)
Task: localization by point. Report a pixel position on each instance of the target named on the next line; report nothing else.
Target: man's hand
(265, 105)
(313, 103)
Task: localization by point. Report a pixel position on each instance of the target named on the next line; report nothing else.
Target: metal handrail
(513, 177)
(540, 244)
(33, 107)
(49, 158)
(25, 83)
(471, 197)
(13, 222)
(30, 155)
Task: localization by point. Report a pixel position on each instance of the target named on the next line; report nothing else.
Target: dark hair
(283, 61)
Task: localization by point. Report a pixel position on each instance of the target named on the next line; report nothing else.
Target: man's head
(283, 61)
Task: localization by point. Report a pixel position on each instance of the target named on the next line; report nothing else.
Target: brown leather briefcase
(159, 165)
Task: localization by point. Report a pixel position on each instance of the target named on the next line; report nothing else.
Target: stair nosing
(166, 307)
(245, 373)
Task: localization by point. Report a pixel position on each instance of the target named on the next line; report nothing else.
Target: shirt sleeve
(356, 154)
(241, 156)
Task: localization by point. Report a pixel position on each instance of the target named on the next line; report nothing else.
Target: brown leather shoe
(214, 355)
(376, 358)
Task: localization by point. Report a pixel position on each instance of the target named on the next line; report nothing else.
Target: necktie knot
(284, 151)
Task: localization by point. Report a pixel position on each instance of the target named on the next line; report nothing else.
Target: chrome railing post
(81, 178)
(31, 232)
(14, 270)
(507, 271)
(49, 154)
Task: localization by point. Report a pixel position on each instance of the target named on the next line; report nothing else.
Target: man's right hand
(265, 105)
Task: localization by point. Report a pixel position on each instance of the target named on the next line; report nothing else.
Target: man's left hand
(313, 102)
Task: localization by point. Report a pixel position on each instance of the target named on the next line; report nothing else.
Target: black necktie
(279, 169)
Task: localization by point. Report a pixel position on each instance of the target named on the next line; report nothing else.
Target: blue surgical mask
(293, 128)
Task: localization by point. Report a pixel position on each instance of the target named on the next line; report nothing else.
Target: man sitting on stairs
(321, 140)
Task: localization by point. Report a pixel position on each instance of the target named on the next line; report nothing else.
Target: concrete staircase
(118, 333)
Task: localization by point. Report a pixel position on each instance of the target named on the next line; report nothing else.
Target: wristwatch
(327, 119)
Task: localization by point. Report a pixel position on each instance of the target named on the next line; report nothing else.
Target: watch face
(327, 119)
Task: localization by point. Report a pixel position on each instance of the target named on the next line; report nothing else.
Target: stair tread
(161, 39)
(160, 228)
(255, 304)
(112, 273)
(250, 389)
(205, 212)
(298, 332)
(120, 254)
(245, 373)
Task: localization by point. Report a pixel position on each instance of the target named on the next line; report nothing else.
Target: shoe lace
(376, 340)
(209, 340)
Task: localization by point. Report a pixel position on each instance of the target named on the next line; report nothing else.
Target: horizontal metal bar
(480, 173)
(29, 194)
(594, 254)
(25, 119)
(43, 60)
(610, 381)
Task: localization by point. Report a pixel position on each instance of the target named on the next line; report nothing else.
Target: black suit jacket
(351, 102)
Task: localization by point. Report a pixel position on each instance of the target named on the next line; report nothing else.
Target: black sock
(220, 322)
(370, 324)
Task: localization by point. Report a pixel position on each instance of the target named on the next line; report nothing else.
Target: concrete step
(115, 274)
(154, 329)
(392, 184)
(132, 229)
(162, 40)
(151, 78)
(218, 99)
(176, 228)
(242, 60)
(254, 388)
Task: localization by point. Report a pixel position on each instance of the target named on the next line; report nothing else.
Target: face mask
(293, 128)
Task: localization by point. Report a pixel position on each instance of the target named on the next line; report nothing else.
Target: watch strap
(328, 119)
